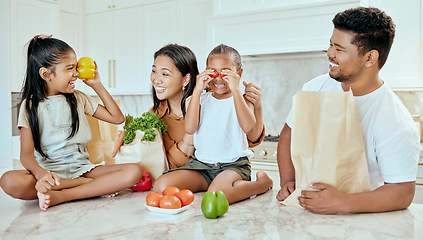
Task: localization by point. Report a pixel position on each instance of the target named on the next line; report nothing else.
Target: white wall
(5, 98)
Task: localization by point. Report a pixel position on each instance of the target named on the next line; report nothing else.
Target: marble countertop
(262, 217)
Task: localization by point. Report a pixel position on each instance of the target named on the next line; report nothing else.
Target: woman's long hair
(186, 62)
(44, 52)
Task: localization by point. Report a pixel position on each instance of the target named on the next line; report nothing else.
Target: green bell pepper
(214, 204)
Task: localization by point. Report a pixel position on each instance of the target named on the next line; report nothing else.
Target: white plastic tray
(167, 211)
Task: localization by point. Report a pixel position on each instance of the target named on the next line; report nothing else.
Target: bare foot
(262, 176)
(43, 201)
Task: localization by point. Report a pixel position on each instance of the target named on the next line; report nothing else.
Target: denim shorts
(210, 171)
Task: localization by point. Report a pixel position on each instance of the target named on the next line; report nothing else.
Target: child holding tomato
(219, 120)
(55, 132)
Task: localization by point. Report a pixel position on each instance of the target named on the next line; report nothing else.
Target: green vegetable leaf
(145, 123)
(128, 120)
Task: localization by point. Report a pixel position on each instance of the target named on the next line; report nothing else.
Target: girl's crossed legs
(236, 189)
(99, 181)
(228, 181)
(182, 179)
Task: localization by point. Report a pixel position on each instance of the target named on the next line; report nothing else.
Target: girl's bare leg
(19, 184)
(182, 179)
(106, 179)
(71, 183)
(236, 189)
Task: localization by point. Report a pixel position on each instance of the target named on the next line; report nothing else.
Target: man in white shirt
(358, 49)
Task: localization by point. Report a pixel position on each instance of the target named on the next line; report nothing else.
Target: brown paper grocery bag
(150, 156)
(103, 140)
(326, 143)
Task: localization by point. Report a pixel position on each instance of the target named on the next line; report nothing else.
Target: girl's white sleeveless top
(219, 138)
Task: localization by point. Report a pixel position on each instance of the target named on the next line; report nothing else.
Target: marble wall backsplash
(412, 100)
(281, 76)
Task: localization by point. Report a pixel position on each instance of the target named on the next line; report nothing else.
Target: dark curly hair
(373, 29)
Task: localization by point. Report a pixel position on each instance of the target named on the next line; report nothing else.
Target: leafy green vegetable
(145, 123)
(128, 119)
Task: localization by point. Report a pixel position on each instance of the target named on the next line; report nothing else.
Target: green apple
(214, 204)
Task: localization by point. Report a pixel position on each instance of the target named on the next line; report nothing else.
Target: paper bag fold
(327, 144)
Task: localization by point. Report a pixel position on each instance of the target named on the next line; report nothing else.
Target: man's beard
(342, 78)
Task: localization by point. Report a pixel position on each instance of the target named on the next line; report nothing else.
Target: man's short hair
(373, 30)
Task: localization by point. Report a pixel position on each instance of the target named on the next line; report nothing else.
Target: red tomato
(170, 202)
(153, 199)
(186, 197)
(214, 74)
(170, 191)
(222, 75)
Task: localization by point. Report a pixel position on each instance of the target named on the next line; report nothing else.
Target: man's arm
(389, 197)
(286, 168)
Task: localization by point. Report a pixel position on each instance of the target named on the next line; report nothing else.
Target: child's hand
(253, 93)
(203, 80)
(94, 81)
(47, 182)
(231, 78)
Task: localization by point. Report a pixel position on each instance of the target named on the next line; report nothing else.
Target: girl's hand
(253, 93)
(47, 182)
(94, 81)
(231, 78)
(203, 80)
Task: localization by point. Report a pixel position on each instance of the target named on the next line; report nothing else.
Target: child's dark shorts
(210, 171)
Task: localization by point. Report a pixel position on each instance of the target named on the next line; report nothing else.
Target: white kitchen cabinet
(403, 69)
(5, 96)
(72, 29)
(298, 28)
(192, 18)
(418, 196)
(100, 44)
(273, 26)
(123, 41)
(96, 6)
(182, 22)
(27, 19)
(71, 6)
(115, 43)
(70, 24)
(159, 29)
(234, 7)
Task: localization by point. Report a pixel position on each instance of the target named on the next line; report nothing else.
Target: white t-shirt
(219, 138)
(391, 139)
